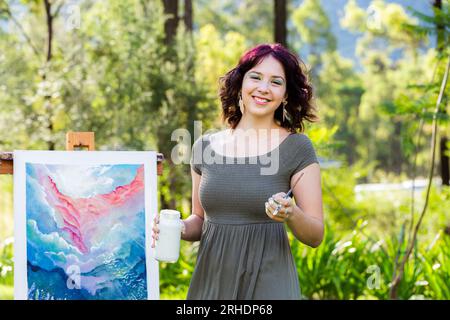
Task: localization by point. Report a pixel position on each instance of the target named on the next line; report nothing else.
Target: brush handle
(288, 194)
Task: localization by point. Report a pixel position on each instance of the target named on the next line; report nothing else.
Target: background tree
(314, 29)
(254, 20)
(280, 11)
(113, 72)
(385, 76)
(441, 43)
(171, 22)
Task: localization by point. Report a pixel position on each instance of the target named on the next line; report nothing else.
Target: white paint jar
(167, 247)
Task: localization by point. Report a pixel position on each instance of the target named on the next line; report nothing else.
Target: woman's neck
(256, 132)
(254, 124)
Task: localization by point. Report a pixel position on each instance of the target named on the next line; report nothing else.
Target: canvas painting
(82, 225)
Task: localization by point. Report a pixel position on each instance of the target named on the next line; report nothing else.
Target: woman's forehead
(269, 66)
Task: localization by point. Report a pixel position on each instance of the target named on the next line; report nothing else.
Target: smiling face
(264, 87)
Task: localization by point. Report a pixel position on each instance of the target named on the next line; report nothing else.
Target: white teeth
(260, 100)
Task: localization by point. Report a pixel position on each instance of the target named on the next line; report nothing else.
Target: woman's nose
(263, 86)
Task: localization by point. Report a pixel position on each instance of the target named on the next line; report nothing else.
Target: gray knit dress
(243, 254)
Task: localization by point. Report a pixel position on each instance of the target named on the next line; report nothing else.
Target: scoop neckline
(249, 157)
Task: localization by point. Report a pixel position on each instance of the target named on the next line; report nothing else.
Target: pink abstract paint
(81, 216)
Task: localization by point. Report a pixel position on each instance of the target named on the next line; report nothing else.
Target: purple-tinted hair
(298, 88)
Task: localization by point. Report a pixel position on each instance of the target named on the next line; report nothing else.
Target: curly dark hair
(299, 90)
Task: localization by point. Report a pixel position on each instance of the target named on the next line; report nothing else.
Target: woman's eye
(254, 77)
(277, 82)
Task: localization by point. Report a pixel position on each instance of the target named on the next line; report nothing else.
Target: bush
(6, 269)
(355, 266)
(174, 278)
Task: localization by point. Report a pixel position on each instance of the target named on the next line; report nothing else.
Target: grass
(180, 295)
(6, 292)
(348, 264)
(6, 207)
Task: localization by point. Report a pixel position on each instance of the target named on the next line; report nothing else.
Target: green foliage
(336, 270)
(175, 277)
(436, 268)
(6, 269)
(116, 76)
(216, 54)
(314, 26)
(351, 263)
(396, 92)
(251, 19)
(381, 21)
(440, 18)
(6, 292)
(6, 207)
(338, 96)
(355, 267)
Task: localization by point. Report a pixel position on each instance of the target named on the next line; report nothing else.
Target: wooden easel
(74, 141)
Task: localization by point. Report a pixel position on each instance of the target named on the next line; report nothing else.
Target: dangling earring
(241, 104)
(285, 113)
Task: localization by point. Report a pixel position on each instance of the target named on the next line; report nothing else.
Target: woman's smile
(260, 100)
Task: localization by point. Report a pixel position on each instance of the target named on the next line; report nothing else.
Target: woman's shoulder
(300, 145)
(303, 152)
(301, 139)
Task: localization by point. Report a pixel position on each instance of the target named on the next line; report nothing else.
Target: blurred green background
(133, 71)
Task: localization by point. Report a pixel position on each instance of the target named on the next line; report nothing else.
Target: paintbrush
(288, 194)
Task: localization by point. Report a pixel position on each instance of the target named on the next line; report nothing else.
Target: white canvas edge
(20, 247)
(150, 213)
(92, 157)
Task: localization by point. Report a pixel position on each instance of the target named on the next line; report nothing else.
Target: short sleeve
(305, 154)
(196, 156)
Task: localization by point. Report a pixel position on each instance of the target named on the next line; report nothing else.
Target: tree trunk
(188, 22)
(171, 24)
(445, 174)
(444, 159)
(48, 106)
(280, 22)
(49, 16)
(396, 150)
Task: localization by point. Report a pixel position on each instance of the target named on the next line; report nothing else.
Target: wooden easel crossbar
(74, 141)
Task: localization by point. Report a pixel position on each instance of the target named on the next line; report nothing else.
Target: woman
(239, 213)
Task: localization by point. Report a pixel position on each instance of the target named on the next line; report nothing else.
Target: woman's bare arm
(305, 217)
(306, 220)
(194, 223)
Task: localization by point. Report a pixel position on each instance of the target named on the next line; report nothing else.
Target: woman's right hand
(155, 230)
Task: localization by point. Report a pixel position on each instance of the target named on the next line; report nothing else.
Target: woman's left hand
(278, 208)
